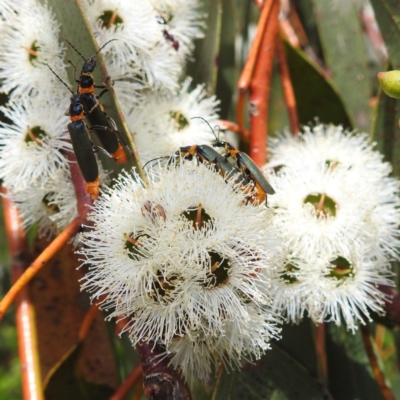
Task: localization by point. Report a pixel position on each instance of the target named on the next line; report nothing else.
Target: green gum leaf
(342, 40)
(316, 94)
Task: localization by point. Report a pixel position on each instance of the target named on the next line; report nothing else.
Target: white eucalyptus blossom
(185, 257)
(53, 205)
(320, 210)
(243, 340)
(141, 49)
(360, 201)
(29, 42)
(328, 144)
(162, 124)
(338, 212)
(182, 20)
(346, 289)
(31, 148)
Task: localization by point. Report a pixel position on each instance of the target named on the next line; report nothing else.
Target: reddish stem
(380, 379)
(160, 380)
(287, 86)
(247, 73)
(260, 88)
(131, 380)
(320, 348)
(239, 129)
(24, 310)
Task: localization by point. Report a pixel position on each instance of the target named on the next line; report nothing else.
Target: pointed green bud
(390, 82)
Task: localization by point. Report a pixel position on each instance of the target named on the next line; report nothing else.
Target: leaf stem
(380, 379)
(287, 87)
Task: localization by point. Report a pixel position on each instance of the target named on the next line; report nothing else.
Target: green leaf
(387, 13)
(342, 40)
(304, 354)
(227, 75)
(75, 27)
(205, 68)
(316, 95)
(350, 376)
(276, 376)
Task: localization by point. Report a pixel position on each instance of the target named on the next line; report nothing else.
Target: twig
(24, 310)
(131, 380)
(287, 86)
(321, 352)
(247, 73)
(83, 203)
(239, 129)
(160, 380)
(380, 380)
(260, 88)
(87, 322)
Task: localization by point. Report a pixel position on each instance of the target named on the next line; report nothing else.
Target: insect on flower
(94, 111)
(81, 143)
(247, 166)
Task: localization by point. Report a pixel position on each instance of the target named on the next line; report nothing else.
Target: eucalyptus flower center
(198, 215)
(53, 208)
(342, 269)
(324, 205)
(180, 120)
(135, 246)
(219, 271)
(32, 52)
(289, 274)
(35, 134)
(110, 18)
(163, 286)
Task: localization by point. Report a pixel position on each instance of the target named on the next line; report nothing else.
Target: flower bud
(390, 82)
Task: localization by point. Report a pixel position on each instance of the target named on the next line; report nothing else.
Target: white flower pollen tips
(186, 257)
(338, 213)
(174, 121)
(31, 149)
(29, 41)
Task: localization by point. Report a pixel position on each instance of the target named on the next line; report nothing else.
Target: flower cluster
(189, 262)
(338, 212)
(153, 43)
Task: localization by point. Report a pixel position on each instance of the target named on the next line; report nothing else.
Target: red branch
(321, 351)
(243, 133)
(24, 310)
(131, 380)
(260, 88)
(380, 379)
(287, 86)
(160, 380)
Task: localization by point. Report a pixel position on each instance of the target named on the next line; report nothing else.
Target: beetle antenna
(94, 55)
(212, 130)
(101, 48)
(84, 59)
(60, 79)
(154, 159)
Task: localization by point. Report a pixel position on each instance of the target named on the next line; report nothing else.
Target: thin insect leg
(104, 151)
(116, 131)
(74, 66)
